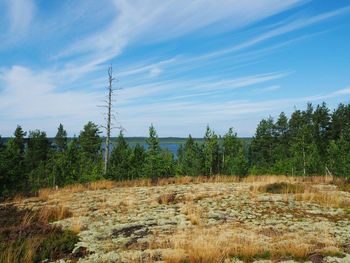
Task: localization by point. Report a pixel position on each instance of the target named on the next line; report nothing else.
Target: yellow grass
(167, 198)
(23, 253)
(46, 193)
(193, 213)
(53, 213)
(213, 245)
(77, 225)
(328, 199)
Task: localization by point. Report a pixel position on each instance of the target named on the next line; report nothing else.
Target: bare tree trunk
(304, 157)
(109, 115)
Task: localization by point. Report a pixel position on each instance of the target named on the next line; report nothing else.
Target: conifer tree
(120, 162)
(234, 161)
(61, 139)
(191, 158)
(90, 141)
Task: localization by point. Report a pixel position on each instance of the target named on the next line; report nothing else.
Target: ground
(227, 221)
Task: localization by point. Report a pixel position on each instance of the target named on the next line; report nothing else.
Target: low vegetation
(27, 236)
(189, 219)
(282, 188)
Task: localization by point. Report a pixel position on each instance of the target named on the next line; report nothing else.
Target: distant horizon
(179, 65)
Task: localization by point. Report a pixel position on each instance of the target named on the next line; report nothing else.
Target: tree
(61, 139)
(109, 116)
(152, 165)
(158, 162)
(19, 139)
(13, 169)
(339, 155)
(90, 141)
(36, 156)
(281, 153)
(340, 121)
(321, 124)
(189, 158)
(120, 162)
(137, 161)
(38, 148)
(262, 146)
(234, 161)
(211, 153)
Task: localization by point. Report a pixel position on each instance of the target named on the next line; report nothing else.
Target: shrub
(282, 188)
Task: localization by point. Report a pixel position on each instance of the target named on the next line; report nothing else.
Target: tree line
(314, 141)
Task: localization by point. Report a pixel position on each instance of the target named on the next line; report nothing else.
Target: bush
(282, 188)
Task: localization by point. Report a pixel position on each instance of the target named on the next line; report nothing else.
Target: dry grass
(193, 213)
(45, 194)
(102, 184)
(77, 225)
(282, 188)
(53, 213)
(168, 198)
(213, 245)
(328, 199)
(23, 253)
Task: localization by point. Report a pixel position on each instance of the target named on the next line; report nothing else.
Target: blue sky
(181, 64)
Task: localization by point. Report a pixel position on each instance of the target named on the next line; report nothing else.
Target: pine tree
(339, 155)
(120, 161)
(137, 161)
(14, 174)
(234, 161)
(36, 156)
(281, 154)
(191, 158)
(61, 139)
(90, 141)
(152, 167)
(262, 147)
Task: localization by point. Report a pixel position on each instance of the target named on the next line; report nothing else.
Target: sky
(179, 64)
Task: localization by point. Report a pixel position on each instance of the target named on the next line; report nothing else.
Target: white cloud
(21, 13)
(32, 96)
(345, 91)
(154, 21)
(268, 89)
(155, 72)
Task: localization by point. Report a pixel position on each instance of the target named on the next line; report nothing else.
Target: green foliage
(211, 153)
(158, 163)
(120, 160)
(189, 158)
(61, 139)
(313, 141)
(90, 141)
(234, 161)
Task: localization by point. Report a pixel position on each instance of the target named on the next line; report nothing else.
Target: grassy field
(217, 219)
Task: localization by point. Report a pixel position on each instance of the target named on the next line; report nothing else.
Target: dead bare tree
(109, 116)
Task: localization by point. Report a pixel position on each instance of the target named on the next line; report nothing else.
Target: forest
(313, 141)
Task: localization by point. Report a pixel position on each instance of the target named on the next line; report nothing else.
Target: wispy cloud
(164, 81)
(29, 95)
(21, 14)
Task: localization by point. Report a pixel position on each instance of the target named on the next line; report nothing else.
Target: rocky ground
(207, 222)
